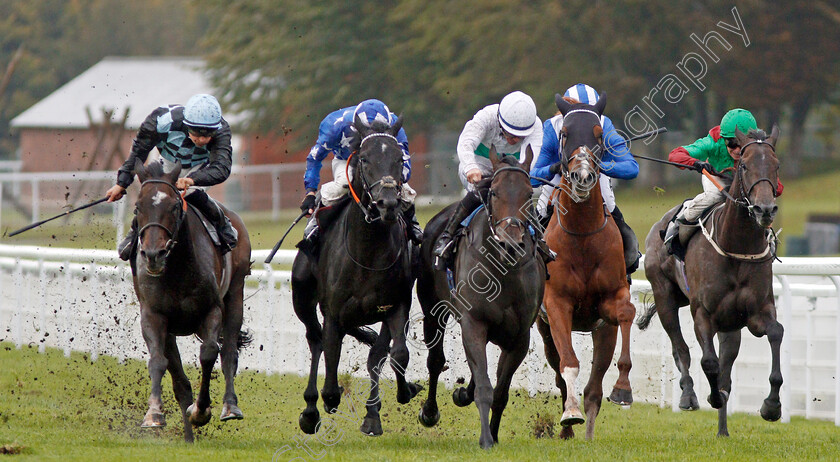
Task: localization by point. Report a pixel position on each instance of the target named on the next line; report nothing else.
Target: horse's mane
(757, 134)
(510, 160)
(154, 169)
(569, 100)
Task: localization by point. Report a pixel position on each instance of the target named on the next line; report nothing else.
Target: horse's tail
(245, 338)
(364, 334)
(644, 320)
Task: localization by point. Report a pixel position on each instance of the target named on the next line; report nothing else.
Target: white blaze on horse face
(158, 198)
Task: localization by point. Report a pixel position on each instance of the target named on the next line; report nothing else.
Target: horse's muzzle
(764, 214)
(155, 261)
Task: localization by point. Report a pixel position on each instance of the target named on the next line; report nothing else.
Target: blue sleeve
(618, 161)
(403, 140)
(324, 145)
(549, 154)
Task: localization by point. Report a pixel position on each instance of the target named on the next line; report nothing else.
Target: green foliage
(62, 38)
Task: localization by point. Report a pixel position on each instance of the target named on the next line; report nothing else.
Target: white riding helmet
(518, 114)
(203, 111)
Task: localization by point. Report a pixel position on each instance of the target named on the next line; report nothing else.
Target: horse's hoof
(231, 412)
(715, 400)
(461, 397)
(771, 411)
(308, 421)
(572, 417)
(428, 421)
(332, 400)
(197, 417)
(688, 402)
(371, 426)
(153, 420)
(567, 433)
(623, 398)
(486, 444)
(412, 388)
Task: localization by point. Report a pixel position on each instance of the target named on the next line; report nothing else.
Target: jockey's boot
(443, 247)
(673, 232)
(211, 209)
(631, 243)
(415, 232)
(125, 247)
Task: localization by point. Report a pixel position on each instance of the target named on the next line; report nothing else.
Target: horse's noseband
(511, 220)
(182, 207)
(745, 192)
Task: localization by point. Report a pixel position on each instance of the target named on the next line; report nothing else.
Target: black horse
(727, 279)
(186, 286)
(499, 282)
(362, 275)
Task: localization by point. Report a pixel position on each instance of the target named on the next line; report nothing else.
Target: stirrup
(443, 253)
(126, 247)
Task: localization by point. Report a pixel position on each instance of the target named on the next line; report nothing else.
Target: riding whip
(35, 225)
(280, 242)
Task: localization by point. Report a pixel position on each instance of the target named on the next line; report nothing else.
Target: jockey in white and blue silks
(616, 162)
(335, 134)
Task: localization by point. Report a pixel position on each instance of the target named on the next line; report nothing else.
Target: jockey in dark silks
(616, 162)
(196, 136)
(335, 135)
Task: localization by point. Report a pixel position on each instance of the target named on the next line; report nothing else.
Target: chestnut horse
(499, 280)
(588, 289)
(727, 280)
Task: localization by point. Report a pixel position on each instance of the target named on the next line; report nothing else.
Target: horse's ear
(361, 128)
(494, 159)
(742, 138)
(175, 173)
(140, 170)
(563, 105)
(774, 135)
(395, 128)
(601, 104)
(529, 157)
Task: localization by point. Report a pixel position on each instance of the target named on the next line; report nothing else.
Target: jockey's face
(733, 147)
(200, 141)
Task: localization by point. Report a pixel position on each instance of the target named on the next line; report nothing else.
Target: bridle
(174, 231)
(583, 155)
(511, 220)
(386, 181)
(739, 172)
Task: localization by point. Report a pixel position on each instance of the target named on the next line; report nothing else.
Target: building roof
(138, 83)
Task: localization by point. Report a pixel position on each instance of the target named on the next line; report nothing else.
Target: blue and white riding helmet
(370, 110)
(202, 111)
(583, 93)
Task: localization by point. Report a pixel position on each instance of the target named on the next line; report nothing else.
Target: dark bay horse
(499, 283)
(588, 289)
(363, 275)
(727, 280)
(186, 286)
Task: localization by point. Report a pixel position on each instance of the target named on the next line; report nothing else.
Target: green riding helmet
(740, 118)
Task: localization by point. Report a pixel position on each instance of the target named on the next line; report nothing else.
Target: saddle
(325, 215)
(686, 231)
(209, 227)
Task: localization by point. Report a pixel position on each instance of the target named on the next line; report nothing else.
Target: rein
(174, 232)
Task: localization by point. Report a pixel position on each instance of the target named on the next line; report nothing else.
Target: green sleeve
(702, 148)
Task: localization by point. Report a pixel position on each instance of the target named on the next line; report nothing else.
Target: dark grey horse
(362, 275)
(499, 283)
(728, 280)
(185, 287)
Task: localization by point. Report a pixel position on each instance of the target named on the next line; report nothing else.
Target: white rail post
(836, 281)
(787, 318)
(42, 306)
(36, 200)
(66, 306)
(275, 194)
(809, 354)
(20, 308)
(1, 198)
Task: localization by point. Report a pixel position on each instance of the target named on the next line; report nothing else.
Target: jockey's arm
(217, 169)
(548, 156)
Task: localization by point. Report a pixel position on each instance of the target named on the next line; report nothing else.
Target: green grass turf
(57, 408)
